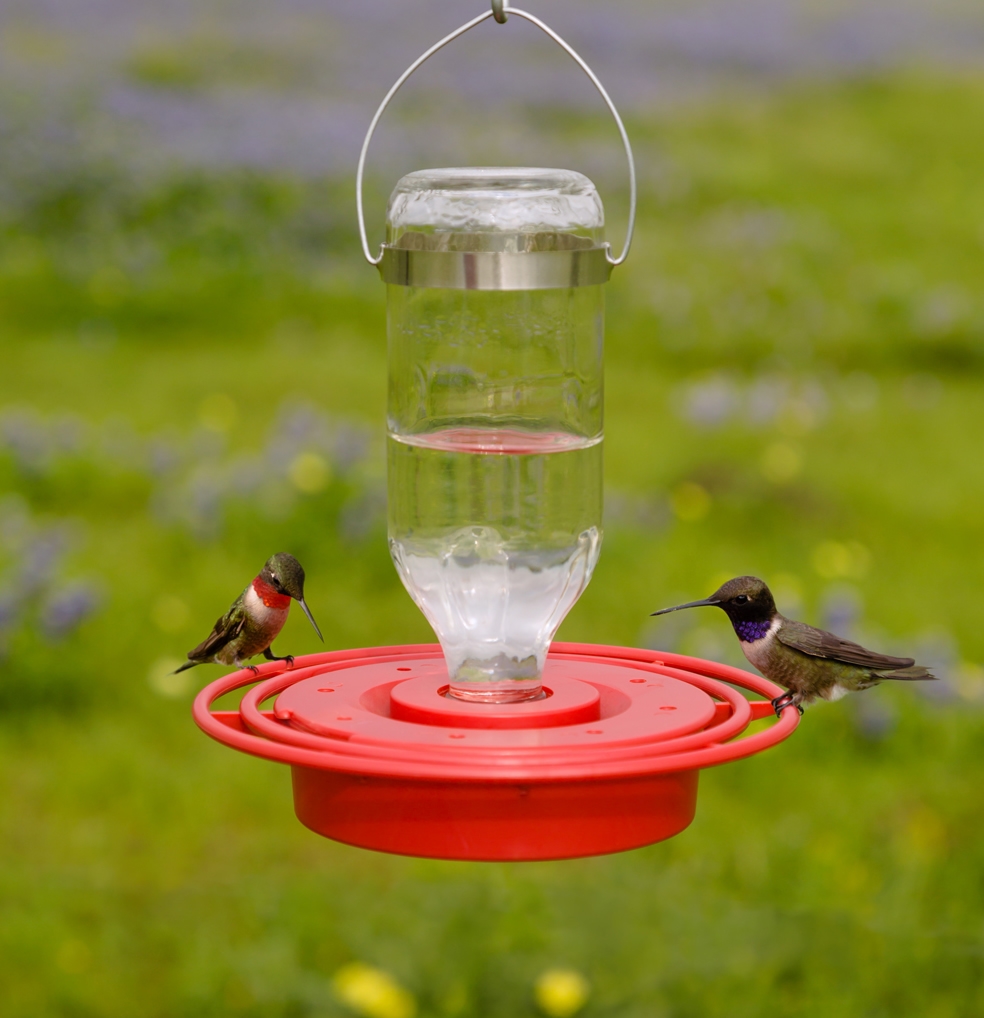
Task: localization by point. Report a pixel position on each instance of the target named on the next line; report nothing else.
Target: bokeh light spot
(788, 592)
(970, 681)
(163, 681)
(561, 992)
(781, 463)
(170, 614)
(690, 501)
(309, 473)
(218, 412)
(836, 560)
(371, 992)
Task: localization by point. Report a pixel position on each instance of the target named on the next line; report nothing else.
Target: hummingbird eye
(741, 599)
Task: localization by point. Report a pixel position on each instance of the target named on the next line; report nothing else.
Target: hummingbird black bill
(307, 612)
(690, 604)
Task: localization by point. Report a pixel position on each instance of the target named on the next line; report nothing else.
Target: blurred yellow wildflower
(834, 560)
(690, 501)
(923, 838)
(560, 993)
(371, 992)
(309, 472)
(970, 680)
(788, 592)
(218, 412)
(170, 614)
(163, 681)
(781, 463)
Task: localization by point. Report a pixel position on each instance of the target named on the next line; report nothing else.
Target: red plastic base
(517, 822)
(607, 761)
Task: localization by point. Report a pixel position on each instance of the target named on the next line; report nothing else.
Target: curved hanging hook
(499, 12)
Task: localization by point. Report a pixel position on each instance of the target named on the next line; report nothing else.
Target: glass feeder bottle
(494, 415)
(495, 327)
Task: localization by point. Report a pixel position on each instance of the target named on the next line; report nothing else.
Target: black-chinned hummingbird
(809, 662)
(256, 617)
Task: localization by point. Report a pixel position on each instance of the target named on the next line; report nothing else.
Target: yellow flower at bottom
(371, 992)
(561, 992)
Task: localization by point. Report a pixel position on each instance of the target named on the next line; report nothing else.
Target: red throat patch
(270, 597)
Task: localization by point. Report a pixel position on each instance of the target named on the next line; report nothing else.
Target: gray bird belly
(812, 676)
(254, 639)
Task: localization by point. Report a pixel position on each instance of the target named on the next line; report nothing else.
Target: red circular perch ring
(607, 760)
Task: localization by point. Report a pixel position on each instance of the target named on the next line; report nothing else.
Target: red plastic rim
(607, 761)
(614, 712)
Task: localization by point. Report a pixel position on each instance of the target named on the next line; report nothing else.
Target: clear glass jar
(495, 413)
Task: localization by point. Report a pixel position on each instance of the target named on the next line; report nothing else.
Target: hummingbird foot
(270, 656)
(780, 703)
(253, 669)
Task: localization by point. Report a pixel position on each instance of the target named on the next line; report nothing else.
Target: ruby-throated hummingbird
(809, 662)
(256, 618)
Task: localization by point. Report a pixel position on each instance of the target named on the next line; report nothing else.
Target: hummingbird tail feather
(185, 667)
(914, 673)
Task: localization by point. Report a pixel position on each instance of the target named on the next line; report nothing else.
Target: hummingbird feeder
(495, 744)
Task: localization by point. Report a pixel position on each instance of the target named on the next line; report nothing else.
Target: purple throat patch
(749, 632)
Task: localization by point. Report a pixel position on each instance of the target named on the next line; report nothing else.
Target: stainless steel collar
(495, 270)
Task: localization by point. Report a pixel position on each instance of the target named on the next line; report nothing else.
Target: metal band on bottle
(495, 270)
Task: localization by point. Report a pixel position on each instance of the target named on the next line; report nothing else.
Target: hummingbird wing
(225, 630)
(819, 643)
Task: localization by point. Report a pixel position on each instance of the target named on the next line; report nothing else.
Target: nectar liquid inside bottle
(494, 592)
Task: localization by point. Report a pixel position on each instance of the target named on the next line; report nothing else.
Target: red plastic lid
(606, 761)
(609, 712)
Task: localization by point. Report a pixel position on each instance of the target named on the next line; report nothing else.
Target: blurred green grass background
(194, 376)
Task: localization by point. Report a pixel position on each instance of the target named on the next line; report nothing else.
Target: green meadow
(193, 376)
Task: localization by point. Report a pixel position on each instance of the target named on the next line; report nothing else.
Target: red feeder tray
(606, 761)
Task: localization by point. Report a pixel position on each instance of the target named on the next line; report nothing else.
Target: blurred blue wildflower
(361, 514)
(8, 610)
(66, 608)
(39, 560)
(841, 609)
(712, 402)
(24, 437)
(32, 591)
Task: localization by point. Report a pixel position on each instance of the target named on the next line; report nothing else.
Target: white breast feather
(260, 612)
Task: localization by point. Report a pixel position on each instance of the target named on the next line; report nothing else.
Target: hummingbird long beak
(689, 604)
(307, 612)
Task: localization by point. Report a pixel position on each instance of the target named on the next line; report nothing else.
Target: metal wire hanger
(500, 11)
